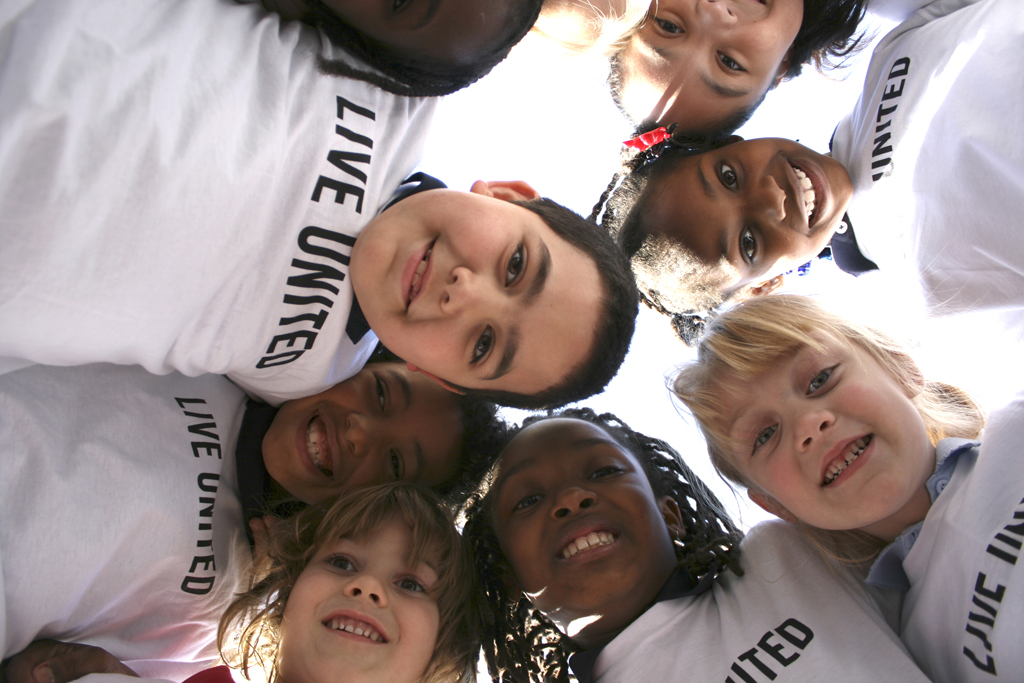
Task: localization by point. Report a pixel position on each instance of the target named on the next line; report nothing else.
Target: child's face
(561, 485)
(745, 207)
(833, 439)
(434, 31)
(476, 291)
(698, 62)
(384, 424)
(362, 585)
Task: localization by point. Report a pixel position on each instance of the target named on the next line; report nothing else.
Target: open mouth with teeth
(355, 627)
(841, 463)
(595, 539)
(417, 277)
(316, 445)
(810, 196)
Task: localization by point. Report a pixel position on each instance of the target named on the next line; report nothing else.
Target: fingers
(51, 661)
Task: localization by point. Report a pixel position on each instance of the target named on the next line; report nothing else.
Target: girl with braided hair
(600, 553)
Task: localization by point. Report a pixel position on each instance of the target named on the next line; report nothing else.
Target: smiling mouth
(316, 444)
(355, 627)
(810, 196)
(595, 539)
(845, 460)
(417, 277)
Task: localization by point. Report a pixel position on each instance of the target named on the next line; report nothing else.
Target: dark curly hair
(621, 211)
(406, 75)
(520, 644)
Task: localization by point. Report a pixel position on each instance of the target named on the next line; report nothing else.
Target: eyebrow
(431, 11)
(722, 90)
(708, 189)
(540, 279)
(403, 383)
(531, 461)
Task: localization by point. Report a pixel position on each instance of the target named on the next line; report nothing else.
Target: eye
(820, 380)
(729, 63)
(728, 177)
(412, 585)
(382, 394)
(526, 502)
(608, 471)
(748, 245)
(516, 266)
(341, 562)
(483, 345)
(398, 5)
(396, 464)
(764, 436)
(668, 26)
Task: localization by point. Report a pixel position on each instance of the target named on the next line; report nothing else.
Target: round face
(579, 523)
(360, 612)
(384, 424)
(457, 32)
(755, 208)
(833, 439)
(699, 62)
(477, 291)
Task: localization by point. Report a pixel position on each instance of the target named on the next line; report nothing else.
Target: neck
(910, 514)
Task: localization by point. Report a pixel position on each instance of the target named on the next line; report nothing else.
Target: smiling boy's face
(755, 208)
(477, 291)
(576, 517)
(383, 424)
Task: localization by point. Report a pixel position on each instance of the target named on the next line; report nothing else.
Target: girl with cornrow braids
(604, 558)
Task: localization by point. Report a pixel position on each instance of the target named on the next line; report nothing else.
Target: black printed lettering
(317, 319)
(979, 588)
(291, 338)
(776, 650)
(344, 104)
(738, 670)
(210, 448)
(313, 279)
(207, 511)
(751, 656)
(198, 585)
(201, 428)
(204, 480)
(989, 666)
(280, 359)
(206, 560)
(881, 147)
(341, 159)
(901, 67)
(790, 625)
(311, 231)
(892, 92)
(341, 190)
(307, 300)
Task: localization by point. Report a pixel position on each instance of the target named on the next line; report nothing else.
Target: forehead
(550, 443)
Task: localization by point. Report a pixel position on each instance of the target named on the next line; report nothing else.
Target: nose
(715, 13)
(811, 426)
(462, 291)
(770, 200)
(358, 434)
(366, 585)
(572, 500)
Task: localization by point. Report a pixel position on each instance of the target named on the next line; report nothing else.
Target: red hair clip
(645, 141)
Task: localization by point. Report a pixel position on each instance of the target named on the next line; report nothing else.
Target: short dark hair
(828, 34)
(407, 75)
(615, 328)
(520, 644)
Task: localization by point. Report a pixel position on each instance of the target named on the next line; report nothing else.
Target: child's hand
(262, 527)
(51, 661)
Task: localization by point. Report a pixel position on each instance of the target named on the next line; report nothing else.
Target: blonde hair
(750, 338)
(252, 621)
(590, 26)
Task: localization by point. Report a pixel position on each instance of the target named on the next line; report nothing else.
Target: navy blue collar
(252, 473)
(679, 585)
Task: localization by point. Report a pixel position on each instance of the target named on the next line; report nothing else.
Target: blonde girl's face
(360, 612)
(832, 439)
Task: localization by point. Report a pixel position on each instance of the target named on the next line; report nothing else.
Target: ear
(783, 68)
(507, 190)
(769, 504)
(449, 387)
(673, 517)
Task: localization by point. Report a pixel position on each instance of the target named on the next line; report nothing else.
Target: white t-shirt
(789, 618)
(963, 617)
(180, 188)
(121, 525)
(935, 148)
